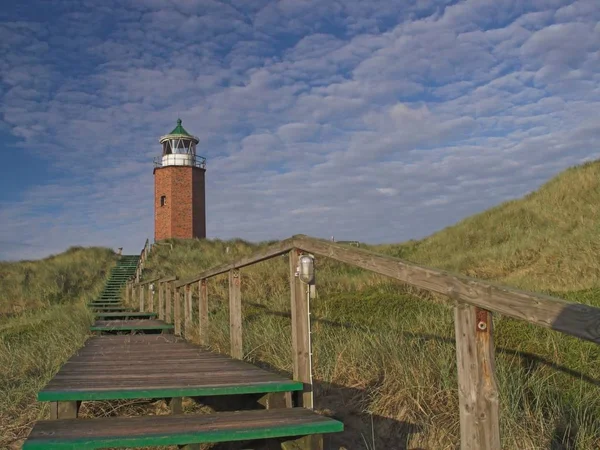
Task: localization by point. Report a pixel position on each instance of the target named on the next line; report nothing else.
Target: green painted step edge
(106, 304)
(133, 328)
(112, 305)
(108, 308)
(124, 314)
(117, 303)
(117, 394)
(202, 437)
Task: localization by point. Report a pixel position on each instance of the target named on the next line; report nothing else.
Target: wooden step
(102, 304)
(131, 432)
(130, 325)
(111, 367)
(105, 300)
(125, 315)
(115, 308)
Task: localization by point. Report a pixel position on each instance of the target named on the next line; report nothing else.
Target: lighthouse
(179, 187)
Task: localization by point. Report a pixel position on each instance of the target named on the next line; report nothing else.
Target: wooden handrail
(571, 318)
(153, 280)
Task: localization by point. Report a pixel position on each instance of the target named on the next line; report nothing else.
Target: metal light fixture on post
(306, 269)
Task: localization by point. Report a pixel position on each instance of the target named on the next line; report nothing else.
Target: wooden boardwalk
(134, 356)
(155, 366)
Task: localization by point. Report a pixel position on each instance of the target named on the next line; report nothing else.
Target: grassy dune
(547, 241)
(58, 279)
(48, 321)
(384, 354)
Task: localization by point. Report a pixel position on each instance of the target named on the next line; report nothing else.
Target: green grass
(46, 322)
(58, 279)
(547, 241)
(33, 346)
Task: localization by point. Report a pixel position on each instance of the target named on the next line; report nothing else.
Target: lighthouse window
(163, 200)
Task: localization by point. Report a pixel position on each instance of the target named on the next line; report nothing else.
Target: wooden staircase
(134, 356)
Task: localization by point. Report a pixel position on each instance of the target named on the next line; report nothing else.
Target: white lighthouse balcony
(180, 159)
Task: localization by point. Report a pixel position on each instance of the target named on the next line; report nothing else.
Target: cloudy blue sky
(378, 120)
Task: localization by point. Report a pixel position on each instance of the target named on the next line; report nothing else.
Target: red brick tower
(179, 198)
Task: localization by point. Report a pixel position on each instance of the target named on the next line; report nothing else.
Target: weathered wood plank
(146, 282)
(142, 305)
(177, 312)
(311, 442)
(64, 410)
(150, 299)
(162, 430)
(235, 314)
(477, 387)
(188, 311)
(203, 311)
(176, 405)
(168, 302)
(301, 345)
(575, 319)
(161, 301)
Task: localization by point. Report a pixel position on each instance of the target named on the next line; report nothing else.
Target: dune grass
(49, 321)
(58, 279)
(547, 241)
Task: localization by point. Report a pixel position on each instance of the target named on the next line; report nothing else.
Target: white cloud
(387, 191)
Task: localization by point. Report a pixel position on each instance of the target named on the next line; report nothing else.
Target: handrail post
(203, 311)
(150, 297)
(141, 289)
(301, 344)
(477, 387)
(134, 294)
(168, 300)
(177, 311)
(235, 314)
(161, 301)
(188, 311)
